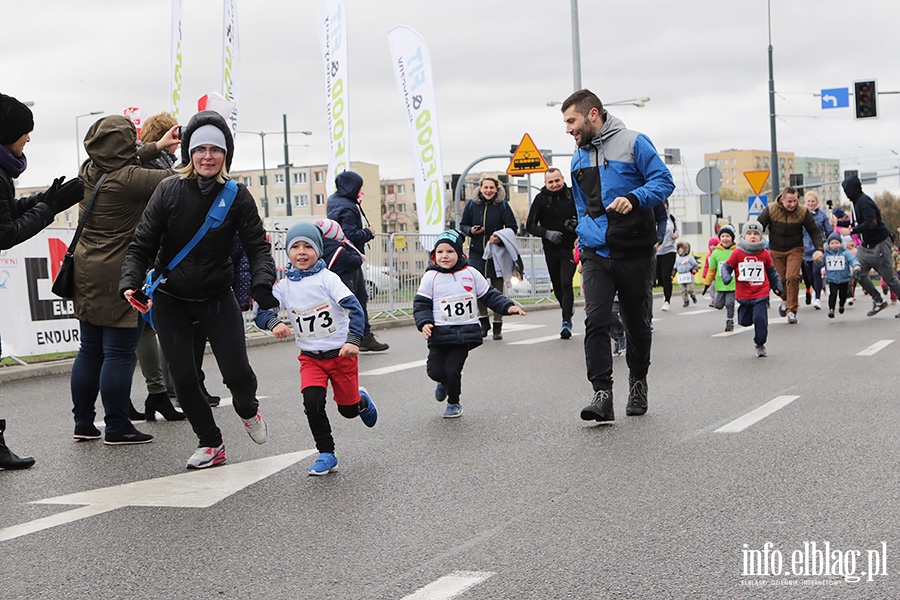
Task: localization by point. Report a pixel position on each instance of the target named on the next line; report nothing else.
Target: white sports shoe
(817, 304)
(205, 456)
(665, 306)
(257, 429)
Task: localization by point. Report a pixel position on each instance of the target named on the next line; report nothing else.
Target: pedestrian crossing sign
(755, 204)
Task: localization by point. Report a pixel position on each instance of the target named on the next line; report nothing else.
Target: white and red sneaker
(205, 456)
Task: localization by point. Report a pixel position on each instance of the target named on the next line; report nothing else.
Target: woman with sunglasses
(196, 295)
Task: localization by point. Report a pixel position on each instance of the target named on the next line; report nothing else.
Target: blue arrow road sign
(836, 98)
(755, 204)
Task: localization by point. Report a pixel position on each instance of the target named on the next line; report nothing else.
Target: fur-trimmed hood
(206, 117)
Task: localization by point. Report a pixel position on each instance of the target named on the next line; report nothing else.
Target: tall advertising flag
(175, 60)
(412, 68)
(231, 61)
(333, 42)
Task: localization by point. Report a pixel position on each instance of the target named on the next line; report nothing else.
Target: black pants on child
(314, 407)
(445, 365)
(836, 290)
(756, 313)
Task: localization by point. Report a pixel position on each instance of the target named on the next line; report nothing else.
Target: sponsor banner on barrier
(36, 321)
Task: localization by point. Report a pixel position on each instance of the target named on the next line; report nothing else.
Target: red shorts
(343, 372)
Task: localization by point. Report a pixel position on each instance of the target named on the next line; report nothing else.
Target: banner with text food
(412, 68)
(175, 59)
(333, 43)
(231, 61)
(35, 320)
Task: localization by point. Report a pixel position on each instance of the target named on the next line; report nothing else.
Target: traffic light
(796, 181)
(866, 99)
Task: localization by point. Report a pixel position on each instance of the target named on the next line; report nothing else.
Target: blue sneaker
(440, 392)
(370, 415)
(565, 332)
(327, 463)
(452, 411)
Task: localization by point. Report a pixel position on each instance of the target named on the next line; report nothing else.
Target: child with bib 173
(327, 323)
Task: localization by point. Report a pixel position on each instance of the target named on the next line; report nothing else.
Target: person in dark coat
(553, 218)
(482, 217)
(23, 218)
(199, 289)
(345, 207)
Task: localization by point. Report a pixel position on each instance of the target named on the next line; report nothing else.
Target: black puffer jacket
(175, 212)
(20, 219)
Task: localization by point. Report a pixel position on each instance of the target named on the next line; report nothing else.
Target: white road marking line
(197, 489)
(756, 415)
(876, 347)
(741, 329)
(510, 325)
(699, 311)
(394, 368)
(546, 338)
(450, 586)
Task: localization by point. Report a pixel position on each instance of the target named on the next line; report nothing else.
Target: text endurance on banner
(412, 68)
(333, 43)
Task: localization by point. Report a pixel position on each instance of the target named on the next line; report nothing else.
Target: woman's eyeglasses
(210, 151)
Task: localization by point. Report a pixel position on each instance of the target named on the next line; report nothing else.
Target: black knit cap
(452, 237)
(15, 120)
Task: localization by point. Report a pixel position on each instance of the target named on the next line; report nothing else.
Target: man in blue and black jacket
(617, 179)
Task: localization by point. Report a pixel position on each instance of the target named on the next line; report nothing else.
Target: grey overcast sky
(496, 63)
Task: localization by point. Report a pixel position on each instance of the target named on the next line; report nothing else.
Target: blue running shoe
(452, 411)
(370, 415)
(565, 331)
(327, 463)
(440, 392)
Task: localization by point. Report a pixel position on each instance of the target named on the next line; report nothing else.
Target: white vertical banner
(333, 43)
(412, 68)
(231, 61)
(176, 60)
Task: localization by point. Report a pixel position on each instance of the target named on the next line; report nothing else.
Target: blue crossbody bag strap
(215, 217)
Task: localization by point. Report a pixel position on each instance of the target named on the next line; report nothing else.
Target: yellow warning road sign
(756, 179)
(527, 159)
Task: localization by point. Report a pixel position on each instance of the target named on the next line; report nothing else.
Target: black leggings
(664, 265)
(445, 365)
(837, 290)
(219, 319)
(314, 407)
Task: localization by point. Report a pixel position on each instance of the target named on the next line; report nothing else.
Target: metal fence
(396, 262)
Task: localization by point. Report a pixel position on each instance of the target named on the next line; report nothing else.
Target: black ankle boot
(160, 403)
(497, 331)
(133, 414)
(485, 323)
(8, 458)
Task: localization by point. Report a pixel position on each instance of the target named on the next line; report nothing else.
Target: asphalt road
(518, 498)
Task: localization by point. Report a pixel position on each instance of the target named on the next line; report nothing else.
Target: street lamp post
(78, 134)
(576, 48)
(265, 179)
(639, 102)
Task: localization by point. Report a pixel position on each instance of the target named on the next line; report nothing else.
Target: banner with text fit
(412, 68)
(176, 60)
(35, 320)
(332, 21)
(231, 61)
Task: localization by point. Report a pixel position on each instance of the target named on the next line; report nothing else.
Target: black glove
(61, 195)
(50, 194)
(264, 298)
(705, 289)
(570, 225)
(554, 237)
